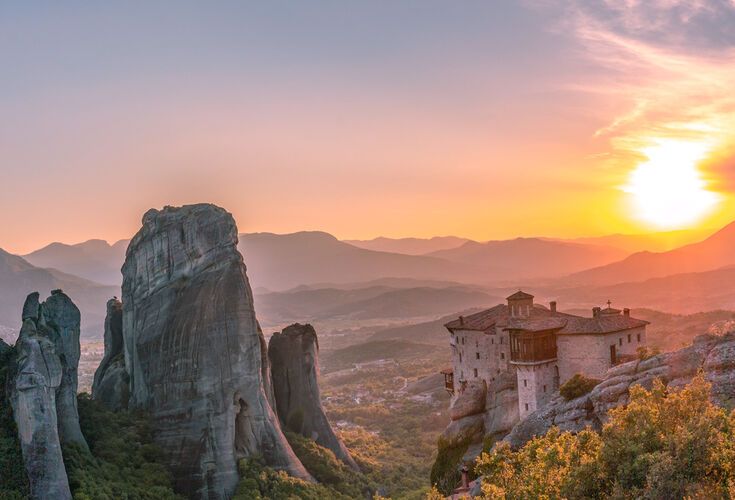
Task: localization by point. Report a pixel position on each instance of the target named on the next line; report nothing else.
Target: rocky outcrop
(714, 355)
(194, 351)
(42, 391)
(111, 378)
(501, 408)
(294, 360)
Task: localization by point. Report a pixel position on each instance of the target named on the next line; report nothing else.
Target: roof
(542, 319)
(520, 295)
(447, 371)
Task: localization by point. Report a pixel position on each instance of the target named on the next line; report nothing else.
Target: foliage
(645, 352)
(261, 482)
(123, 464)
(14, 480)
(445, 473)
(577, 386)
(663, 444)
(327, 468)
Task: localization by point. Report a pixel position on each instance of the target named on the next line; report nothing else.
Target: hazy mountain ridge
(712, 253)
(410, 246)
(18, 278)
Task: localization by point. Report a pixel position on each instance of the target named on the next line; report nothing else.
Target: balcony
(448, 380)
(532, 347)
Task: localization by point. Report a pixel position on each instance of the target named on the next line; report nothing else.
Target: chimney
(552, 306)
(596, 312)
(626, 312)
(461, 320)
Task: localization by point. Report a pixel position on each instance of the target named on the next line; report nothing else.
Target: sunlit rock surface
(111, 378)
(42, 390)
(294, 360)
(194, 351)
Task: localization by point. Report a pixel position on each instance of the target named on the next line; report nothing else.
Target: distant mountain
(367, 303)
(653, 242)
(95, 260)
(684, 293)
(18, 278)
(525, 258)
(713, 253)
(410, 246)
(283, 261)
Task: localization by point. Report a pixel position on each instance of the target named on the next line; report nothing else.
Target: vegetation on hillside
(123, 464)
(662, 444)
(577, 386)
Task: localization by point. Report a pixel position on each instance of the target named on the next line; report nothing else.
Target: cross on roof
(609, 303)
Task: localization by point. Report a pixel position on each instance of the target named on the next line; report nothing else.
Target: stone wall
(536, 386)
(494, 355)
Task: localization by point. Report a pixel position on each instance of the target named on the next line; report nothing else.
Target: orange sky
(486, 121)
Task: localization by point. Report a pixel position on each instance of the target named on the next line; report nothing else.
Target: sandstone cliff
(714, 355)
(194, 351)
(111, 378)
(294, 360)
(42, 391)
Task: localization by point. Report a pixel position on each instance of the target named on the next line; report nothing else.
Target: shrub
(445, 474)
(577, 386)
(123, 463)
(14, 480)
(663, 444)
(645, 352)
(261, 482)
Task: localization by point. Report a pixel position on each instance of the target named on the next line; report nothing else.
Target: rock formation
(111, 379)
(294, 360)
(194, 351)
(714, 355)
(42, 390)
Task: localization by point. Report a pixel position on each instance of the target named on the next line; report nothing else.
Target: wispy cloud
(671, 66)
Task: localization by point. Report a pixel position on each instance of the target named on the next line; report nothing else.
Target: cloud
(669, 65)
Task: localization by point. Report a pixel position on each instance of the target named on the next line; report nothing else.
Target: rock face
(111, 379)
(43, 391)
(194, 351)
(714, 355)
(294, 360)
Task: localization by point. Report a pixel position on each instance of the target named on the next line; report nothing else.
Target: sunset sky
(484, 119)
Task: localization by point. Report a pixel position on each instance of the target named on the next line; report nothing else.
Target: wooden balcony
(532, 347)
(448, 380)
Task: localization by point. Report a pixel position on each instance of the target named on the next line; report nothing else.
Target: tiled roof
(542, 319)
(519, 295)
(498, 315)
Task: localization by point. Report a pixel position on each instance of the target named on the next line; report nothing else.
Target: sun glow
(668, 190)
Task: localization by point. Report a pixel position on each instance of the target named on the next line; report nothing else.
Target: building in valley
(544, 347)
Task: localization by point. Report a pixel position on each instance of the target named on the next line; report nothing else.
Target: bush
(663, 444)
(261, 482)
(124, 462)
(577, 386)
(645, 352)
(445, 473)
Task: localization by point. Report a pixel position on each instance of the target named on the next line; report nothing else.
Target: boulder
(470, 400)
(111, 378)
(194, 352)
(294, 362)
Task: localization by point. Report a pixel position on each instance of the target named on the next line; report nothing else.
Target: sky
(411, 118)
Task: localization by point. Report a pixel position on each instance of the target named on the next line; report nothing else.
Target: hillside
(375, 302)
(712, 253)
(279, 262)
(529, 257)
(95, 260)
(18, 278)
(410, 246)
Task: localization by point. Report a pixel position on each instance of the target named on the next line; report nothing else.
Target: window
(620, 341)
(475, 371)
(526, 406)
(525, 383)
(460, 357)
(639, 337)
(477, 355)
(501, 340)
(463, 340)
(544, 388)
(502, 355)
(629, 338)
(492, 341)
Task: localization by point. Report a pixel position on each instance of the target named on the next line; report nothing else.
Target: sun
(668, 190)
